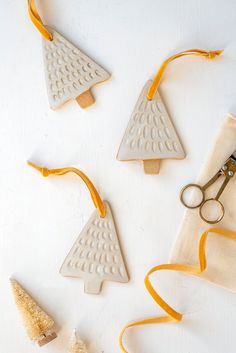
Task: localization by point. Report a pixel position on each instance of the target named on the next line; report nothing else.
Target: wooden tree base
(151, 166)
(85, 99)
(46, 339)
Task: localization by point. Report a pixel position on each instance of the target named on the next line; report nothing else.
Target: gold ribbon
(61, 171)
(37, 21)
(198, 52)
(173, 315)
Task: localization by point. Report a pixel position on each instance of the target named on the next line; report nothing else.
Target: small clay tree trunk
(85, 99)
(92, 286)
(151, 166)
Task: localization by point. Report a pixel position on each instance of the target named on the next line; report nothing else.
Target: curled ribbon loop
(173, 315)
(197, 52)
(61, 171)
(37, 21)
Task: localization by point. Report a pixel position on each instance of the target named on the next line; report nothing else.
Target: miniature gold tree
(76, 344)
(38, 324)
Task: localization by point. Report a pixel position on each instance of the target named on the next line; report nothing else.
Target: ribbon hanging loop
(197, 52)
(98, 203)
(37, 21)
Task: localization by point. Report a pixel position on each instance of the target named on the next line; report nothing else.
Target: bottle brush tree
(38, 324)
(76, 344)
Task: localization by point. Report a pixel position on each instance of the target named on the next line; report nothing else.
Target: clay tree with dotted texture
(70, 74)
(150, 135)
(38, 324)
(96, 254)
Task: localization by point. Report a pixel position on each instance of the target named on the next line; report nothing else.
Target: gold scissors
(227, 170)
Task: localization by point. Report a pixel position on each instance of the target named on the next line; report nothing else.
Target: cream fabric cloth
(221, 252)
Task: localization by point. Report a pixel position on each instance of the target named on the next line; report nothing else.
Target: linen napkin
(221, 252)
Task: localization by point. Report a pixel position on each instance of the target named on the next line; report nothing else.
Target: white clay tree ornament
(38, 324)
(96, 255)
(150, 135)
(76, 344)
(70, 74)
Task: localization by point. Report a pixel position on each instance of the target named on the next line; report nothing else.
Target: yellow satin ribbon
(173, 315)
(198, 52)
(37, 21)
(61, 171)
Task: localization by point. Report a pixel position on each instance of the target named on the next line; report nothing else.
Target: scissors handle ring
(213, 221)
(188, 186)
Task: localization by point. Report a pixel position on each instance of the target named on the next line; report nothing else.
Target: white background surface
(40, 218)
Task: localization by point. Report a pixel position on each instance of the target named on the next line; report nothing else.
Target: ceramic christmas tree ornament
(39, 325)
(70, 73)
(96, 255)
(150, 135)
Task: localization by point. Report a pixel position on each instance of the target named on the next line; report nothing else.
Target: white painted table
(40, 218)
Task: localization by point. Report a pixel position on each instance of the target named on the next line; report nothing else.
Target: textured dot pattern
(150, 133)
(96, 254)
(69, 72)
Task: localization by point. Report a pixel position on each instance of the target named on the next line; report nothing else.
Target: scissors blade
(234, 154)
